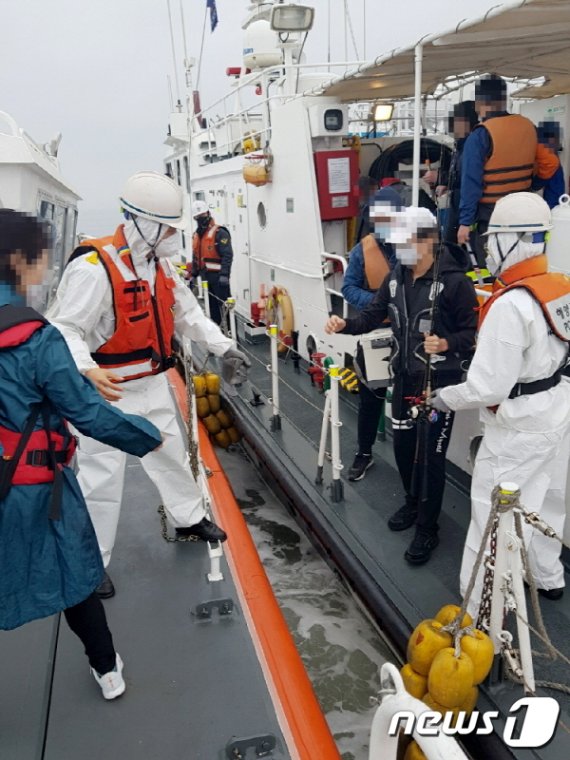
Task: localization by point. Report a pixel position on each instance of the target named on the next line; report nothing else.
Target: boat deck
(193, 685)
(355, 535)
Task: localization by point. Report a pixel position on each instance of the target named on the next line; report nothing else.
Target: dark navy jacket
(408, 305)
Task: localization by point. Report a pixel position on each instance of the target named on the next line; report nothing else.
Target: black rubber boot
(205, 530)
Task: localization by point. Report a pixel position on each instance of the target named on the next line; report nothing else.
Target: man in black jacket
(434, 323)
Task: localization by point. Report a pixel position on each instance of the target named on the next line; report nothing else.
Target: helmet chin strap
(511, 249)
(151, 245)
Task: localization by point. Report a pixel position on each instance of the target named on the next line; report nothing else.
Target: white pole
(231, 302)
(276, 419)
(206, 297)
(419, 52)
(323, 441)
(522, 628)
(336, 424)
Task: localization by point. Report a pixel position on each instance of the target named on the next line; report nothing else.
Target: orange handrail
(290, 686)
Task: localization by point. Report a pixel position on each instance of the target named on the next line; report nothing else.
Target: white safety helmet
(406, 223)
(155, 196)
(199, 208)
(520, 212)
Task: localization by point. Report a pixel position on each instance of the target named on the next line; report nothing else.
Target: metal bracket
(204, 610)
(262, 746)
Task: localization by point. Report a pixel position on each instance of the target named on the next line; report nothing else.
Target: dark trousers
(88, 621)
(370, 405)
(217, 295)
(420, 450)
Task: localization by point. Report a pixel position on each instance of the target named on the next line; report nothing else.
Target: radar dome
(261, 46)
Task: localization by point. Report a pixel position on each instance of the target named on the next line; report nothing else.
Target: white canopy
(523, 39)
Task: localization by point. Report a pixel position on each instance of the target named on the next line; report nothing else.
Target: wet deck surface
(192, 686)
(361, 520)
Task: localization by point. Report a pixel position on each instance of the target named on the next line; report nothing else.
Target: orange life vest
(204, 250)
(550, 289)
(510, 166)
(144, 324)
(375, 265)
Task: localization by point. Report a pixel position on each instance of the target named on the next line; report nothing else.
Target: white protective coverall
(527, 441)
(83, 312)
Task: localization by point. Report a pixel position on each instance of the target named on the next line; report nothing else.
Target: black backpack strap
(8, 466)
(53, 464)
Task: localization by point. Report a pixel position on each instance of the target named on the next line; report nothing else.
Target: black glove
(234, 366)
(223, 287)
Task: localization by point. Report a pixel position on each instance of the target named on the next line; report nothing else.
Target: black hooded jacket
(408, 305)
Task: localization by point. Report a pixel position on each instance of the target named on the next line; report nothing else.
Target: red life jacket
(32, 456)
(204, 251)
(144, 323)
(550, 289)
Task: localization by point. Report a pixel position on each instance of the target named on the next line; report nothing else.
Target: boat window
(70, 231)
(261, 215)
(187, 173)
(46, 210)
(169, 170)
(178, 175)
(200, 195)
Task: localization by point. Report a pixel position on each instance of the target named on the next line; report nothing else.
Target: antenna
(173, 51)
(169, 81)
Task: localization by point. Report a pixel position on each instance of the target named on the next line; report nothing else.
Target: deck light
(383, 111)
(292, 18)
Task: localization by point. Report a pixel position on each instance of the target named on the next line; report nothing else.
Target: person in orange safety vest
(502, 155)
(119, 305)
(212, 257)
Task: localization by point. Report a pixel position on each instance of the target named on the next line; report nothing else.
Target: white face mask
(37, 296)
(169, 246)
(406, 255)
(382, 230)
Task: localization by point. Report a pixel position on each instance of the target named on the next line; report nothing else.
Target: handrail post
(323, 441)
(206, 297)
(337, 489)
(231, 302)
(276, 418)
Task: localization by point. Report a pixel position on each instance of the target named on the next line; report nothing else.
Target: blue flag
(211, 4)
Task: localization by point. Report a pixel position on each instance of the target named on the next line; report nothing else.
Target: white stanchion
(274, 369)
(337, 485)
(205, 291)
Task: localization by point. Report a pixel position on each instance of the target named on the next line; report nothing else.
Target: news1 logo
(531, 723)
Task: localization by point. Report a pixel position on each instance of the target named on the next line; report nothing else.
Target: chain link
(484, 618)
(165, 534)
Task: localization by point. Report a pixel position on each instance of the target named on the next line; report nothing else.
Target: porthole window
(261, 215)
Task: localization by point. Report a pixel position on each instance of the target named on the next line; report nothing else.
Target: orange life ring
(280, 312)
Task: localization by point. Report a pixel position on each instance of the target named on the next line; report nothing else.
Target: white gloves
(436, 402)
(234, 366)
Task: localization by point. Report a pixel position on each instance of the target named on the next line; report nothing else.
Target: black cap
(466, 110)
(492, 88)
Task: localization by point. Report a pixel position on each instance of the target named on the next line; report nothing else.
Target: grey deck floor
(361, 520)
(192, 686)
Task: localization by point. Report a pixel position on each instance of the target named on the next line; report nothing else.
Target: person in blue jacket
(49, 556)
(358, 292)
(549, 135)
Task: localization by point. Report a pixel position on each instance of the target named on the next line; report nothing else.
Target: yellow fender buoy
(212, 383)
(480, 649)
(199, 383)
(214, 402)
(212, 424)
(424, 644)
(414, 752)
(450, 678)
(450, 612)
(202, 407)
(415, 684)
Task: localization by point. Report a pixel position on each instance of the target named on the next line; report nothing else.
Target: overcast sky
(97, 70)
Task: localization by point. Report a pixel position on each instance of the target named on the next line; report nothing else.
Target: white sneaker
(112, 683)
